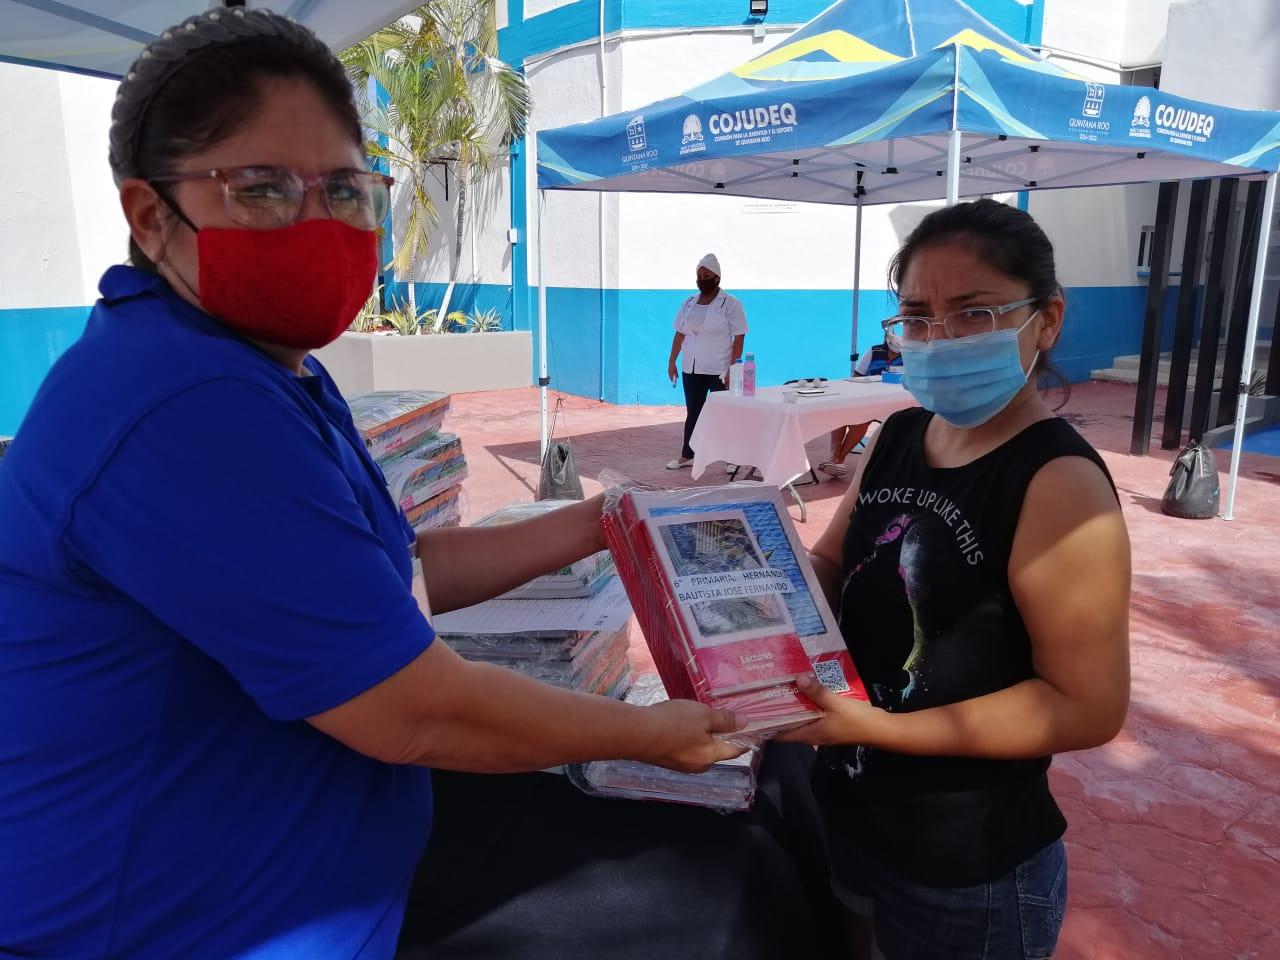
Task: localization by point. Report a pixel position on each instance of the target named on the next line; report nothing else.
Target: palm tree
(447, 98)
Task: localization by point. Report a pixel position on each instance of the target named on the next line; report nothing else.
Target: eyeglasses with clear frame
(266, 198)
(958, 324)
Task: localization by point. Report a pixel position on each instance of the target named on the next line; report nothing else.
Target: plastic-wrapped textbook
(588, 661)
(581, 644)
(428, 472)
(442, 510)
(396, 421)
(727, 600)
(580, 579)
(729, 786)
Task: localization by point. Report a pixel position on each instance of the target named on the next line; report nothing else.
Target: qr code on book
(831, 675)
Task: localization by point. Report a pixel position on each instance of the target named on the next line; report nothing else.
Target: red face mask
(299, 286)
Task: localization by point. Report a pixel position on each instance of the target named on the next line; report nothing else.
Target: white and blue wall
(60, 221)
(617, 266)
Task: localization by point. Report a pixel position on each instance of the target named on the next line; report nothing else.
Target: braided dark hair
(1008, 239)
(196, 83)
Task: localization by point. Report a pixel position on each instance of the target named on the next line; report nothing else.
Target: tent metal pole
(1250, 341)
(543, 379)
(953, 168)
(857, 281)
(955, 136)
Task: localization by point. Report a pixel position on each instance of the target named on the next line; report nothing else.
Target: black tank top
(929, 619)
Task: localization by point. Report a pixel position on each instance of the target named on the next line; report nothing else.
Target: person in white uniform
(711, 328)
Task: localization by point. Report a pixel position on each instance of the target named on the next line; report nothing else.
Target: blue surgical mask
(967, 381)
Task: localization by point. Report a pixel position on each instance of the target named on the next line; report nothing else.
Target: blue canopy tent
(887, 101)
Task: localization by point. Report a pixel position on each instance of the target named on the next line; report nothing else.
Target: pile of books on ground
(570, 628)
(729, 786)
(424, 467)
(728, 601)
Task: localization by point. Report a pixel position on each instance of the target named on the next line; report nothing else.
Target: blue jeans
(1015, 917)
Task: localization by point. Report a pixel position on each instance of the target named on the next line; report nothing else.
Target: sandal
(679, 464)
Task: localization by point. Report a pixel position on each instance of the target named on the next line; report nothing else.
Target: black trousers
(697, 386)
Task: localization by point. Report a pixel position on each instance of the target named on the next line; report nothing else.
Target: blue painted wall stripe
(1035, 22)
(30, 341)
(656, 14)
(793, 333)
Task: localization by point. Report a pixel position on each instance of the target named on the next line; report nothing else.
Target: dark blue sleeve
(224, 513)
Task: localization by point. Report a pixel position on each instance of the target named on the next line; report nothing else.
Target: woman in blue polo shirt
(218, 699)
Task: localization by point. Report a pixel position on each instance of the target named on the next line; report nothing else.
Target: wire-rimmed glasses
(958, 324)
(266, 198)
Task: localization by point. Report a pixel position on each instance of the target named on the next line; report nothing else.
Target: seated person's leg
(852, 437)
(843, 442)
(837, 441)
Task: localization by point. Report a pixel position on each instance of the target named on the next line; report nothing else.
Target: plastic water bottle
(749, 376)
(735, 379)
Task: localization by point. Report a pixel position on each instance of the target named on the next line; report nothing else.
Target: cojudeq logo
(1184, 120)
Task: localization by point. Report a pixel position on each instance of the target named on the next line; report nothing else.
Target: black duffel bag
(1193, 490)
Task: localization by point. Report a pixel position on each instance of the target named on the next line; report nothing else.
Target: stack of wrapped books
(395, 422)
(588, 661)
(580, 644)
(727, 600)
(424, 468)
(442, 510)
(428, 472)
(729, 786)
(581, 579)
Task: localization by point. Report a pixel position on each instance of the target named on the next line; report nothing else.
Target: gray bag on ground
(1193, 490)
(559, 478)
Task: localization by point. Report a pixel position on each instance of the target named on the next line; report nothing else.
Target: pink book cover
(727, 600)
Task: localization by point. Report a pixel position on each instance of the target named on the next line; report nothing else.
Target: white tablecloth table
(769, 434)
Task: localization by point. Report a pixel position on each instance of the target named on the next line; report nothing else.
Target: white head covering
(711, 263)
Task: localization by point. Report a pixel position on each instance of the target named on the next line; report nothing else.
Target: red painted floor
(1175, 826)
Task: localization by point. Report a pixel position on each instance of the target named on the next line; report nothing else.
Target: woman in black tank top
(980, 568)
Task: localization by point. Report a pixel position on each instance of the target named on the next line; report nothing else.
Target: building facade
(618, 265)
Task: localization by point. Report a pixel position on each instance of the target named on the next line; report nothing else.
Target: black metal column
(1211, 321)
(1144, 406)
(1233, 358)
(1184, 328)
